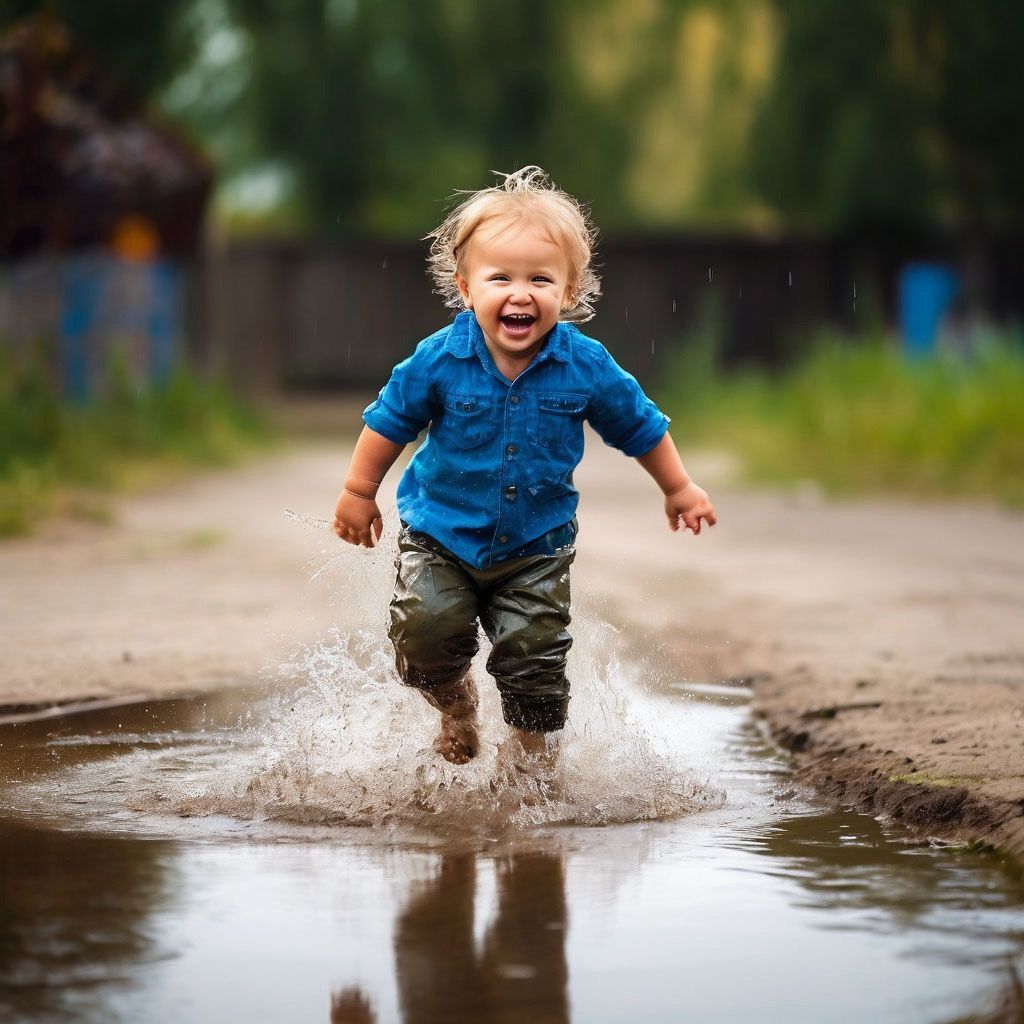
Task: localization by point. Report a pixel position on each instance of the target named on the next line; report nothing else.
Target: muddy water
(294, 851)
(761, 907)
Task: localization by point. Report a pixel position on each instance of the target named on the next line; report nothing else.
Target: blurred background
(812, 218)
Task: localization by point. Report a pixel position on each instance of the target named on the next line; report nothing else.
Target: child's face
(515, 279)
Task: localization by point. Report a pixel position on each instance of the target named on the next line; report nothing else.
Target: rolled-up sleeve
(402, 409)
(622, 414)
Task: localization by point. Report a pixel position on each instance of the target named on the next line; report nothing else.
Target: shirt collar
(465, 335)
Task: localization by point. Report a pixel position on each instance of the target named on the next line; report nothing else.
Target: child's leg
(458, 740)
(526, 617)
(434, 630)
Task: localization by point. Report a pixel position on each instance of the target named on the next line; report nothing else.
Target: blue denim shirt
(495, 471)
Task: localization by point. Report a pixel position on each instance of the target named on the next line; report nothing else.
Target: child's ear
(463, 286)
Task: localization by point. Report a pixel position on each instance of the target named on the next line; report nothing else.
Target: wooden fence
(307, 317)
(274, 315)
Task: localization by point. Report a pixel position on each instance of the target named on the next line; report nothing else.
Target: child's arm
(357, 518)
(683, 498)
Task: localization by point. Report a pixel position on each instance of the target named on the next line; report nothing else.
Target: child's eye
(541, 277)
(498, 277)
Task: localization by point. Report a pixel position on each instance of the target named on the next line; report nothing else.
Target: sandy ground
(883, 639)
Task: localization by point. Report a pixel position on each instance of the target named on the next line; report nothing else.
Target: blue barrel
(110, 305)
(81, 290)
(926, 293)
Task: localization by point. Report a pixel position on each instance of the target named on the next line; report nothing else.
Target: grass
(61, 459)
(858, 416)
(940, 781)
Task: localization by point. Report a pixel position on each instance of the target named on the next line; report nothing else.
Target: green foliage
(144, 43)
(353, 118)
(859, 416)
(56, 457)
(382, 109)
(895, 113)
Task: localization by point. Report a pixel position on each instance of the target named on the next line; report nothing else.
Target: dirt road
(884, 639)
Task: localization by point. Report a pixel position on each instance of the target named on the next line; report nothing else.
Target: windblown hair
(524, 194)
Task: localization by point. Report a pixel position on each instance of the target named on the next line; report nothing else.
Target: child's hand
(357, 520)
(691, 504)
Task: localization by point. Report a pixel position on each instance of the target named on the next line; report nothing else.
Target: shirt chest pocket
(556, 420)
(469, 420)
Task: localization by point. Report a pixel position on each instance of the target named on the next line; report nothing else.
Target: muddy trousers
(523, 606)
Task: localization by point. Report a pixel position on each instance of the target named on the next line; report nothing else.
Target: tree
(383, 108)
(144, 44)
(895, 113)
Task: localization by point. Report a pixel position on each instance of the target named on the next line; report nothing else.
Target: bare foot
(351, 1006)
(530, 760)
(458, 740)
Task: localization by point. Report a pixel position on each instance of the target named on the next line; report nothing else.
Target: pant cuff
(439, 679)
(535, 714)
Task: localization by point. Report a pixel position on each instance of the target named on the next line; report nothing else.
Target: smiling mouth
(518, 324)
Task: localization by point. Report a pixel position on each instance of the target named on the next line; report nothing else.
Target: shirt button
(512, 449)
(510, 492)
(515, 399)
(503, 539)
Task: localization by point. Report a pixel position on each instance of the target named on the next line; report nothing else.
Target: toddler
(487, 503)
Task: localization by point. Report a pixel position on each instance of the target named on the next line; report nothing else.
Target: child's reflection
(519, 972)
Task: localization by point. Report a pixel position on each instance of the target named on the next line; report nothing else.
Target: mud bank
(889, 783)
(883, 638)
(922, 789)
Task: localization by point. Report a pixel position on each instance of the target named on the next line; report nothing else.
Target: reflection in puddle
(823, 916)
(518, 968)
(142, 879)
(75, 915)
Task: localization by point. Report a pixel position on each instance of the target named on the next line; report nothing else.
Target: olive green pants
(523, 606)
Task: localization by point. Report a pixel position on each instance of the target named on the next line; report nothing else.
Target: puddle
(295, 851)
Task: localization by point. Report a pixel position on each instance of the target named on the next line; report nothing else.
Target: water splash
(341, 742)
(353, 747)
(310, 522)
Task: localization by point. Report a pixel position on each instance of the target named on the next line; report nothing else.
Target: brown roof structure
(80, 156)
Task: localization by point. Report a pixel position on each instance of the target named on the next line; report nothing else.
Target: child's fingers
(368, 538)
(346, 533)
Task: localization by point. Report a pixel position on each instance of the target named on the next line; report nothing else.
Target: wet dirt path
(196, 859)
(883, 637)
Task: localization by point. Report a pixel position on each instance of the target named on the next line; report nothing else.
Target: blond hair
(526, 193)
